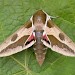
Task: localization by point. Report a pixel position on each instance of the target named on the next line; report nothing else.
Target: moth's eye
(34, 30)
(14, 37)
(42, 31)
(61, 36)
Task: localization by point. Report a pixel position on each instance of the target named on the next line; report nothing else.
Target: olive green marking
(61, 36)
(14, 37)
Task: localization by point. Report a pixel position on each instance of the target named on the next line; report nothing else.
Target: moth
(41, 33)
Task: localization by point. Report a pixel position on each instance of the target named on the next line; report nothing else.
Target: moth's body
(39, 48)
(40, 32)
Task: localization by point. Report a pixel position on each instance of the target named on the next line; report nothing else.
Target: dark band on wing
(55, 42)
(18, 43)
(46, 41)
(29, 41)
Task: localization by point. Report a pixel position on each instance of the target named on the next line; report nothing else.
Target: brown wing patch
(56, 42)
(61, 36)
(20, 42)
(50, 24)
(14, 37)
(28, 24)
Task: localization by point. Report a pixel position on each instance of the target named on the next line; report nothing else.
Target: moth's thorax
(39, 28)
(38, 36)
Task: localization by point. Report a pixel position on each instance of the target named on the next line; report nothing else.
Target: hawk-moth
(41, 33)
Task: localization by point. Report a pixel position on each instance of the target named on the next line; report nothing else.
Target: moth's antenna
(53, 17)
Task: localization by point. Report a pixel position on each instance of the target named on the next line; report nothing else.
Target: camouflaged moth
(42, 33)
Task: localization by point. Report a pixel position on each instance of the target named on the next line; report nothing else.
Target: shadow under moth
(41, 33)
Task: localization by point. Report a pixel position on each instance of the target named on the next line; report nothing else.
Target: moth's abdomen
(40, 52)
(39, 48)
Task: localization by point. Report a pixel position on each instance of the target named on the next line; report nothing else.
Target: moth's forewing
(18, 41)
(59, 41)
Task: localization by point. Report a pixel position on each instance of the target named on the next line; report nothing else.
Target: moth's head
(39, 19)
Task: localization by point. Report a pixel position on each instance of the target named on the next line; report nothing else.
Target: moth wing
(57, 40)
(18, 41)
